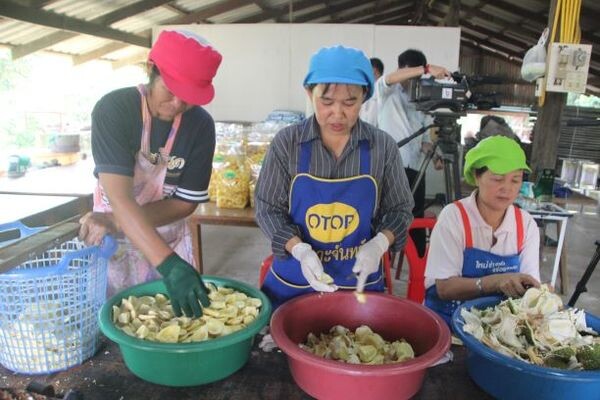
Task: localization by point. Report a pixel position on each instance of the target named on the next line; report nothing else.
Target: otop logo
(330, 223)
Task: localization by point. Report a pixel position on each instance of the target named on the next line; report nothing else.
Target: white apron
(129, 266)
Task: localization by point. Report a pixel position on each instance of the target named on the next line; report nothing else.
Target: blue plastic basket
(49, 306)
(511, 379)
(21, 229)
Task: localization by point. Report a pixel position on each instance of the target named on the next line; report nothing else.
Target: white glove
(267, 344)
(368, 258)
(311, 267)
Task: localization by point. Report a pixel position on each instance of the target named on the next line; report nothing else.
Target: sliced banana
(151, 317)
(169, 334)
(363, 346)
(326, 278)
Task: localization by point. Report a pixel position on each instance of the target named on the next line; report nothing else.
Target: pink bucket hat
(187, 65)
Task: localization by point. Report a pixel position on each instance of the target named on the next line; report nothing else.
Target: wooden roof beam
(420, 12)
(212, 10)
(263, 5)
(129, 11)
(34, 3)
(491, 52)
(59, 21)
(334, 10)
(494, 19)
(490, 34)
(329, 10)
(175, 9)
(452, 16)
(138, 58)
(40, 44)
(401, 18)
(106, 19)
(97, 53)
(378, 15)
(280, 13)
(508, 53)
(589, 15)
(111, 47)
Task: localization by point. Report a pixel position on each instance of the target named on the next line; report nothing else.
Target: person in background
(378, 68)
(368, 111)
(491, 125)
(153, 147)
(397, 116)
(483, 244)
(332, 195)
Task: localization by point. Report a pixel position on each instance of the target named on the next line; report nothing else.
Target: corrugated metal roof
(145, 21)
(516, 23)
(85, 9)
(80, 44)
(234, 15)
(192, 5)
(16, 33)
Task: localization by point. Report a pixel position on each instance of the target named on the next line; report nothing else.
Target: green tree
(581, 100)
(13, 133)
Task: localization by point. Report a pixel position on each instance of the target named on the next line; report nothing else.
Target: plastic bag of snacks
(217, 164)
(232, 191)
(232, 176)
(225, 134)
(259, 140)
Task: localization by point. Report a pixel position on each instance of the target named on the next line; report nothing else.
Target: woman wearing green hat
(483, 244)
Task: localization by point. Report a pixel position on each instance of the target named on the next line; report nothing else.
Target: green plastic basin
(185, 364)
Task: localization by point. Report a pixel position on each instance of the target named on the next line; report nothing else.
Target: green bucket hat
(499, 154)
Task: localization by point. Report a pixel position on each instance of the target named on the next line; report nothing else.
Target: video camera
(458, 96)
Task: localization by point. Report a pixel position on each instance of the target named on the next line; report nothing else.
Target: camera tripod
(581, 285)
(448, 144)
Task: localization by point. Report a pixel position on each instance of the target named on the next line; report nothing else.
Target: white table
(552, 212)
(71, 180)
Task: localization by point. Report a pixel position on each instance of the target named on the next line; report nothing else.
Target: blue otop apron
(334, 216)
(476, 264)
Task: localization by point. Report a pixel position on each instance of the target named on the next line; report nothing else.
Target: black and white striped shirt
(393, 211)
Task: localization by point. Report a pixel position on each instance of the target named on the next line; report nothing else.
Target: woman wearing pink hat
(153, 148)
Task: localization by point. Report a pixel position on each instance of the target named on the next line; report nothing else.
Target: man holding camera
(399, 118)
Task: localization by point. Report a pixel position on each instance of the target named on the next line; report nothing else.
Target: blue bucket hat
(341, 64)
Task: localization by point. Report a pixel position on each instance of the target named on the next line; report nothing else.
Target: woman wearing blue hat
(332, 195)
(483, 244)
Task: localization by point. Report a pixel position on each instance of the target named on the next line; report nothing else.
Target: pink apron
(128, 266)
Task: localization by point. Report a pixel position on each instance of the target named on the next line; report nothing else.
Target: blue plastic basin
(508, 378)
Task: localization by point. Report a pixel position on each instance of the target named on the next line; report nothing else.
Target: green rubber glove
(184, 286)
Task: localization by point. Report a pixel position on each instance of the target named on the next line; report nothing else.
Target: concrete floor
(237, 252)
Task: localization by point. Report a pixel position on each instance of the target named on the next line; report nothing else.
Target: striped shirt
(393, 212)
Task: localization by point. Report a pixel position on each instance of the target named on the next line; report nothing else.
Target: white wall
(264, 64)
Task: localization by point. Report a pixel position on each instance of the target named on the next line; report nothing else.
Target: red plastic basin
(390, 316)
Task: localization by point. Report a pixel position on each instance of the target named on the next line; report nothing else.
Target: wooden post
(547, 132)
(547, 127)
